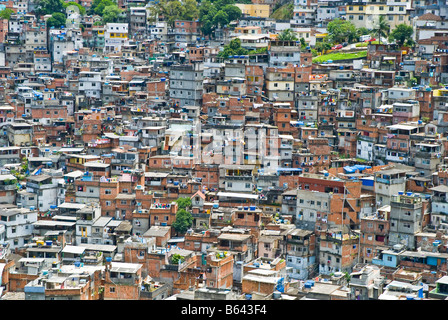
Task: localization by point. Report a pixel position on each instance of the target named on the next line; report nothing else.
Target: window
(111, 289)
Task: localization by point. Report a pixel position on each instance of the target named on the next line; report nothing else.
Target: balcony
(292, 202)
(427, 155)
(161, 206)
(367, 138)
(439, 199)
(297, 241)
(249, 178)
(406, 202)
(93, 258)
(8, 187)
(153, 183)
(125, 280)
(123, 161)
(390, 181)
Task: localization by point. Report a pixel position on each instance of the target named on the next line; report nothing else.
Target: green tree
(303, 44)
(191, 10)
(56, 20)
(232, 11)
(323, 45)
(233, 48)
(173, 10)
(183, 202)
(207, 11)
(6, 13)
(340, 31)
(99, 6)
(221, 19)
(363, 31)
(402, 34)
(287, 35)
(183, 221)
(177, 258)
(220, 4)
(207, 27)
(235, 44)
(381, 28)
(111, 13)
(217, 14)
(82, 10)
(44, 7)
(206, 8)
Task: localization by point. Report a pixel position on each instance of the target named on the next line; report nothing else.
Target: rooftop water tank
(276, 295)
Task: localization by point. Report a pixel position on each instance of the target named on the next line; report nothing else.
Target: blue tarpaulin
(289, 169)
(357, 167)
(349, 169)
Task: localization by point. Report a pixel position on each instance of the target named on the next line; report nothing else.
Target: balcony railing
(390, 181)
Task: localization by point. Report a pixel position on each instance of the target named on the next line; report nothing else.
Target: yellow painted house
(254, 10)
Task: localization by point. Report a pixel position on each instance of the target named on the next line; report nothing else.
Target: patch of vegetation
(177, 258)
(285, 12)
(335, 56)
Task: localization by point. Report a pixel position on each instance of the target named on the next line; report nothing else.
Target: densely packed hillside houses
(223, 150)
